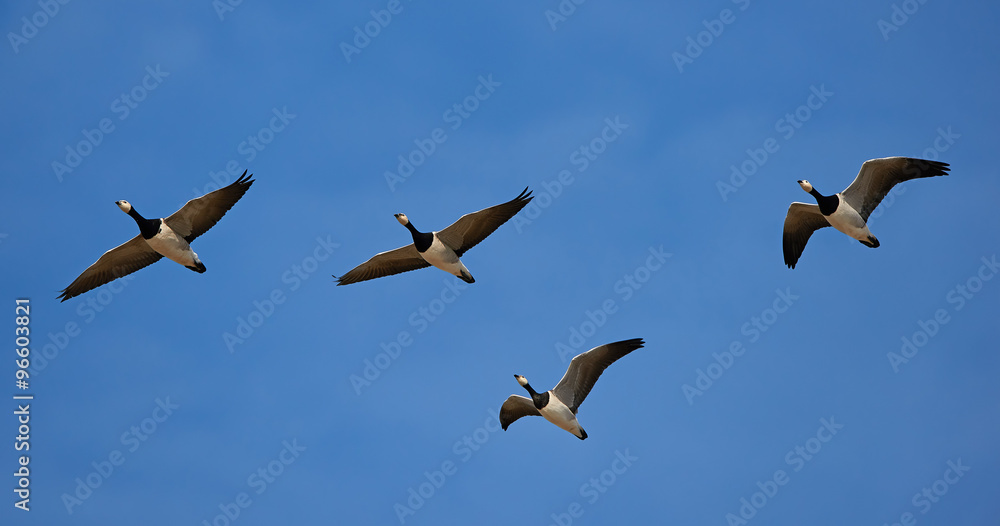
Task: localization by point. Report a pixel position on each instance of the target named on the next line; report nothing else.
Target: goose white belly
(556, 412)
(848, 221)
(443, 258)
(173, 246)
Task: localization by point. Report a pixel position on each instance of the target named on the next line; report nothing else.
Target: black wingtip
(786, 251)
(920, 168)
(635, 343)
(244, 180)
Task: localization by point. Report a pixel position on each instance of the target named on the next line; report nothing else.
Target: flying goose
(168, 237)
(848, 211)
(559, 405)
(441, 249)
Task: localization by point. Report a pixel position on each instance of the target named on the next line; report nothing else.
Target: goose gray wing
(515, 407)
(202, 213)
(586, 368)
(115, 263)
(802, 220)
(878, 176)
(472, 228)
(402, 259)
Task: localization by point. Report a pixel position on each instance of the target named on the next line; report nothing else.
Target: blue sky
(629, 134)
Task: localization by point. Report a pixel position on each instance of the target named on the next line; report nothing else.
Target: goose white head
(521, 380)
(124, 205)
(403, 220)
(806, 185)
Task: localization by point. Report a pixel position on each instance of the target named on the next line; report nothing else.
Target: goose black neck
(827, 203)
(147, 227)
(539, 399)
(135, 215)
(421, 240)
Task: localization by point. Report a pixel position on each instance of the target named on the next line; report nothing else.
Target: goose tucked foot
(199, 268)
(871, 243)
(466, 277)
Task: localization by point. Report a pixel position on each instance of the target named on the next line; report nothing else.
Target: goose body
(167, 243)
(848, 211)
(445, 258)
(847, 220)
(560, 404)
(168, 237)
(562, 416)
(442, 249)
